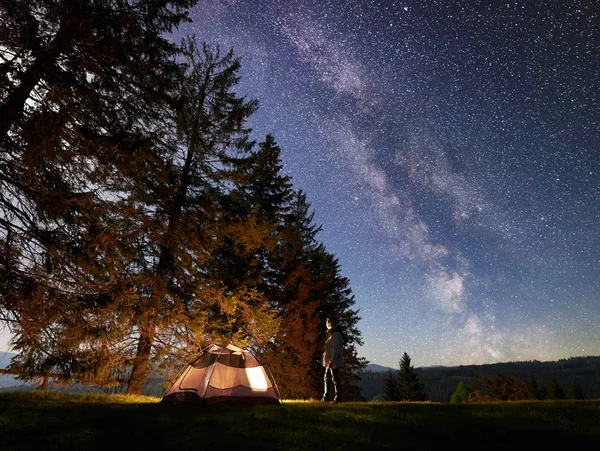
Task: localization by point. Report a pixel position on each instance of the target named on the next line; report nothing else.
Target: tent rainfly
(223, 375)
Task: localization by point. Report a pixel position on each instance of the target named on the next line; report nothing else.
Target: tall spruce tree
(316, 289)
(198, 284)
(277, 269)
(410, 386)
(293, 288)
(84, 89)
(300, 279)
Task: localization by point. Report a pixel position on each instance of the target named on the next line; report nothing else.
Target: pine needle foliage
(138, 221)
(84, 88)
(391, 389)
(409, 385)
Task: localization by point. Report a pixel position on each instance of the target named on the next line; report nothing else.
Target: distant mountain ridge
(7, 380)
(375, 368)
(441, 381)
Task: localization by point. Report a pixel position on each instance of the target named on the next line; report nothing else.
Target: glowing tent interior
(224, 375)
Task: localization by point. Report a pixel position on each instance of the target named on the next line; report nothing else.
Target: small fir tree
(534, 389)
(391, 389)
(575, 390)
(556, 390)
(410, 386)
(544, 390)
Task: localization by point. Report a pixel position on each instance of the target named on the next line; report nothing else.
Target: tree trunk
(45, 381)
(139, 373)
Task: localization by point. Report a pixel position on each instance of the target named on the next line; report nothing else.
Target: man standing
(333, 359)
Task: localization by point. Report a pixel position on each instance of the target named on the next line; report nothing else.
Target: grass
(62, 421)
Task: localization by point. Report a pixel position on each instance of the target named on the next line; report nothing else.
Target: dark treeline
(441, 382)
(139, 221)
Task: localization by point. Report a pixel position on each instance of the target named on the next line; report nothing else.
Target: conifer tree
(279, 266)
(281, 272)
(575, 390)
(303, 282)
(84, 89)
(533, 388)
(337, 300)
(544, 390)
(409, 384)
(159, 285)
(198, 283)
(555, 390)
(391, 390)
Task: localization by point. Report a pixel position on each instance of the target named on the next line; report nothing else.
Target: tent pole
(212, 369)
(268, 371)
(185, 368)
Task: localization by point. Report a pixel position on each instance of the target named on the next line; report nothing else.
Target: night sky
(451, 152)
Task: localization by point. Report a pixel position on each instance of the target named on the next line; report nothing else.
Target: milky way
(451, 153)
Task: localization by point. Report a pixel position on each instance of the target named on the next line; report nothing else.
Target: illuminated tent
(224, 375)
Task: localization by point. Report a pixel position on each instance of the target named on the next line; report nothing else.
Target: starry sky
(451, 152)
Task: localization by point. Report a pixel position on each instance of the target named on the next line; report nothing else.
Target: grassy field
(60, 421)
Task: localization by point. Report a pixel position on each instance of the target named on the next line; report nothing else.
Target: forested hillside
(440, 382)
